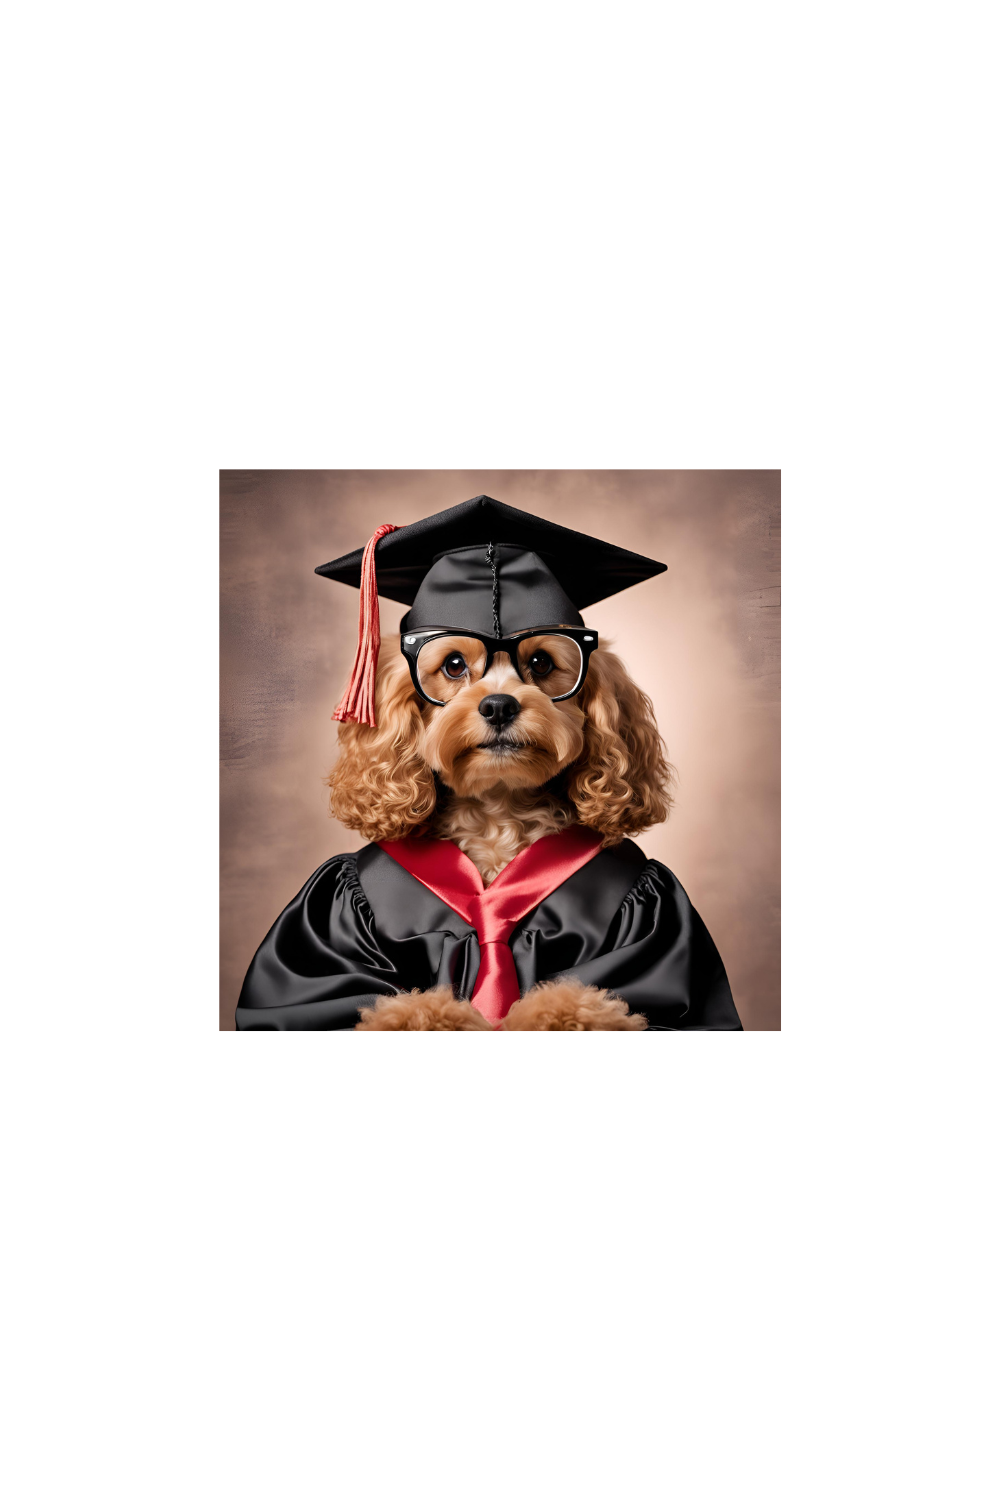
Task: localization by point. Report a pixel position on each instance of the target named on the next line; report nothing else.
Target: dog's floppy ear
(621, 783)
(380, 784)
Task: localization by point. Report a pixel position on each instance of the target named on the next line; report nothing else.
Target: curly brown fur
(620, 785)
(567, 1005)
(603, 746)
(381, 785)
(422, 1010)
(492, 828)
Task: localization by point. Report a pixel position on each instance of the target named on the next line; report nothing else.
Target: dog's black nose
(499, 709)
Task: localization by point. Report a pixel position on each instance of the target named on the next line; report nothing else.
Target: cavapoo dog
(494, 767)
(498, 758)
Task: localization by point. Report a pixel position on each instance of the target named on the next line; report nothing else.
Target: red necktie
(494, 911)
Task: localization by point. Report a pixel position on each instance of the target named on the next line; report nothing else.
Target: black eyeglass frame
(411, 643)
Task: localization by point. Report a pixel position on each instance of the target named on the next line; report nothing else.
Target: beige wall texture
(702, 639)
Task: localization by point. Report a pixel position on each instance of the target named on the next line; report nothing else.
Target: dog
(492, 769)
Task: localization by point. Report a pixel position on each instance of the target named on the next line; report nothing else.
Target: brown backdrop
(702, 639)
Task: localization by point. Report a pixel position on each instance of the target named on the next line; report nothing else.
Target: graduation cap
(480, 566)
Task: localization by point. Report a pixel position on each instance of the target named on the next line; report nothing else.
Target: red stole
(494, 911)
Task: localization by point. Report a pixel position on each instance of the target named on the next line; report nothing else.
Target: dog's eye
(540, 664)
(454, 665)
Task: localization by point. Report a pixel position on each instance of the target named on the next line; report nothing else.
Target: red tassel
(358, 702)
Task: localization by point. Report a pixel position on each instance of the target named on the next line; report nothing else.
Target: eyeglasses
(552, 658)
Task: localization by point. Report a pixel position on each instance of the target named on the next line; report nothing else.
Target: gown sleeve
(320, 961)
(659, 957)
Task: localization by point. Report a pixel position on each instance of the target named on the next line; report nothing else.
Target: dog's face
(496, 730)
(500, 731)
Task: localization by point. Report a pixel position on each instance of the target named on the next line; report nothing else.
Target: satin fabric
(459, 590)
(581, 567)
(362, 926)
(495, 910)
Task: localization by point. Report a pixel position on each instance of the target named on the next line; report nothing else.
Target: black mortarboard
(466, 567)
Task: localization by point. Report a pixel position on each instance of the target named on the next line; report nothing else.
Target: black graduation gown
(362, 926)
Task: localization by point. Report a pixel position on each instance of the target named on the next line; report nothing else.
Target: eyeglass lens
(553, 663)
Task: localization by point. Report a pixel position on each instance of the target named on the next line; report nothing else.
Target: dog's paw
(422, 1010)
(568, 1005)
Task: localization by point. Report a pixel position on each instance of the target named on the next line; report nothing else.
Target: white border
(550, 237)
